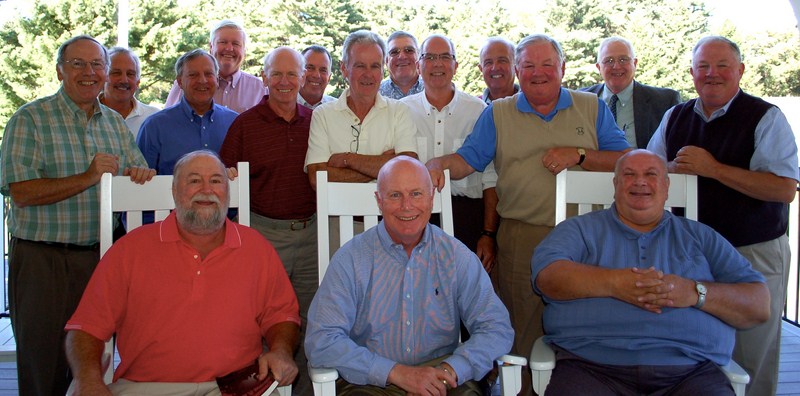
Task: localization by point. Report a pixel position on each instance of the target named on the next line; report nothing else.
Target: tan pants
(758, 349)
(124, 387)
(512, 278)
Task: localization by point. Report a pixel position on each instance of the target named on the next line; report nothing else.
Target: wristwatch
(701, 293)
(582, 153)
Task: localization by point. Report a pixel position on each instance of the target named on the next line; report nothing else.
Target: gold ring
(444, 382)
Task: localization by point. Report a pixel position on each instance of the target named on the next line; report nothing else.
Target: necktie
(613, 106)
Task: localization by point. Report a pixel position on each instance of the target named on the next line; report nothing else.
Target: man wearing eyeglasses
(444, 116)
(637, 107)
(54, 151)
(402, 61)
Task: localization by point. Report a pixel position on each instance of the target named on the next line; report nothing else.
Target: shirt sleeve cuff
(379, 373)
(462, 368)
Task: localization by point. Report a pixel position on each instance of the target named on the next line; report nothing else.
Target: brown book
(244, 382)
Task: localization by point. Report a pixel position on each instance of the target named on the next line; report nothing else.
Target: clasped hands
(652, 290)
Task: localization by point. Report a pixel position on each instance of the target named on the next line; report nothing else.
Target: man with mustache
(317, 76)
(54, 151)
(401, 58)
(744, 152)
(196, 122)
(238, 90)
(120, 88)
(191, 298)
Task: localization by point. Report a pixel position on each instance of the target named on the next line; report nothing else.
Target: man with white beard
(157, 287)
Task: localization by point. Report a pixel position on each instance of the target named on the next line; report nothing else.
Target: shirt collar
(486, 94)
(235, 77)
(630, 233)
(267, 112)
(564, 101)
(698, 108)
(449, 108)
(189, 112)
(168, 232)
(390, 246)
(341, 103)
(624, 96)
(73, 107)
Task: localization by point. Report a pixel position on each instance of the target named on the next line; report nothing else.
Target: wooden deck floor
(789, 378)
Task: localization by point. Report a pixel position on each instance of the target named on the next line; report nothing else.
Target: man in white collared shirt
(355, 135)
(317, 76)
(120, 87)
(444, 116)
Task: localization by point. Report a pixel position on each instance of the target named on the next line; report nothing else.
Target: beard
(205, 220)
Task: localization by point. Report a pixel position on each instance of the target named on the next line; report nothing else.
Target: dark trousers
(45, 286)
(577, 376)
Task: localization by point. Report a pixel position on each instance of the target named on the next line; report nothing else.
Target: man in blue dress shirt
(194, 123)
(387, 313)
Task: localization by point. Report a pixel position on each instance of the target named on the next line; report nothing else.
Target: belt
(278, 224)
(67, 246)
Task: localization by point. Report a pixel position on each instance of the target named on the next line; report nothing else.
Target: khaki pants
(758, 349)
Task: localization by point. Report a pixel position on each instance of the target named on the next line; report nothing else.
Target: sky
(749, 17)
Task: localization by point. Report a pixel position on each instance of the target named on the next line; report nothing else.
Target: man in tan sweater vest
(532, 136)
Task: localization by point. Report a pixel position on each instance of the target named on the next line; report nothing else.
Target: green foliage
(663, 33)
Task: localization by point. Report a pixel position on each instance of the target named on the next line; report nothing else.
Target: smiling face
(405, 198)
(641, 185)
(540, 72)
(317, 76)
(616, 75)
(123, 79)
(716, 72)
(497, 66)
(364, 70)
(84, 84)
(401, 57)
(437, 74)
(284, 76)
(199, 83)
(228, 47)
(201, 195)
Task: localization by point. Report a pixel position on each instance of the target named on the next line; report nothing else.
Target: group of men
(503, 150)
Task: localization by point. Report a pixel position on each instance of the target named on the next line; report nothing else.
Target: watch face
(581, 151)
(701, 288)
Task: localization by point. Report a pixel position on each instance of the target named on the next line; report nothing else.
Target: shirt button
(408, 323)
(408, 349)
(198, 272)
(408, 295)
(195, 257)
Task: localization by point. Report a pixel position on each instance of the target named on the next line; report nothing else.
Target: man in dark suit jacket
(639, 107)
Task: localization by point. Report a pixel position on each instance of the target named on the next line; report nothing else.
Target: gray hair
(614, 39)
(362, 37)
(401, 34)
(536, 39)
(178, 169)
(270, 57)
(318, 49)
(63, 48)
(443, 37)
(624, 157)
(195, 53)
(718, 39)
(228, 24)
(125, 51)
(496, 39)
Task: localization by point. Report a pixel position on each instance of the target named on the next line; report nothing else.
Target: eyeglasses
(356, 129)
(80, 64)
(433, 57)
(622, 61)
(406, 50)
